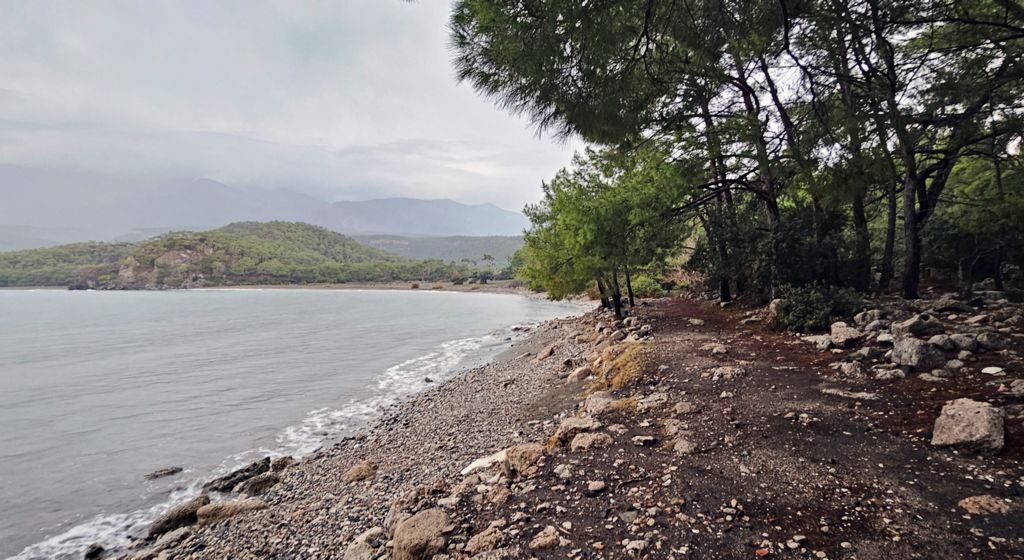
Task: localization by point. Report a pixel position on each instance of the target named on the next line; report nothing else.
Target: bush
(645, 286)
(414, 286)
(812, 308)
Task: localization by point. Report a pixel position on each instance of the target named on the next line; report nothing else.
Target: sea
(100, 388)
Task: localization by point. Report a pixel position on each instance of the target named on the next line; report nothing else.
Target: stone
(727, 372)
(1017, 387)
(867, 317)
(874, 326)
(890, 374)
(775, 307)
(917, 355)
(993, 341)
(966, 342)
(685, 407)
(918, 325)
(258, 484)
(575, 425)
(484, 462)
(546, 353)
(942, 341)
(281, 463)
(644, 441)
(820, 341)
(954, 365)
(579, 374)
(992, 370)
(365, 546)
(94, 551)
(523, 456)
(420, 536)
(227, 482)
(651, 402)
(360, 471)
(590, 440)
(598, 402)
(178, 516)
(885, 339)
(596, 486)
(684, 446)
(969, 424)
(547, 538)
(852, 370)
(866, 354)
(696, 322)
(488, 539)
(978, 320)
(211, 513)
(845, 336)
(949, 304)
(161, 473)
(984, 505)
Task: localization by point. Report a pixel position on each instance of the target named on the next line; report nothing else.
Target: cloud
(346, 100)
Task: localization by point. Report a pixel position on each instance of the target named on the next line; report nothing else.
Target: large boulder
(211, 513)
(258, 484)
(962, 341)
(845, 336)
(178, 516)
(420, 536)
(918, 325)
(867, 317)
(993, 341)
(575, 425)
(969, 424)
(917, 355)
(523, 456)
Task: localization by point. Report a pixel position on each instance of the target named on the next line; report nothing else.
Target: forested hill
(240, 253)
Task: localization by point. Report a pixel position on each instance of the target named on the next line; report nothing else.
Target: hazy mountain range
(40, 208)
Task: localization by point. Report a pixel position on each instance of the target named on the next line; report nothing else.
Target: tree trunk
(616, 295)
(888, 254)
(605, 304)
(997, 274)
(911, 243)
(629, 288)
(862, 245)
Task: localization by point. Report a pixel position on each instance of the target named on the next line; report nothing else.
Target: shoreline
(516, 334)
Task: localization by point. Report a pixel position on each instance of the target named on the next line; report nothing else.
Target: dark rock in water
(227, 482)
(178, 516)
(160, 473)
(427, 380)
(282, 463)
(94, 551)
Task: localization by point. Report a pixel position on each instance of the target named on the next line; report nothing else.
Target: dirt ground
(787, 461)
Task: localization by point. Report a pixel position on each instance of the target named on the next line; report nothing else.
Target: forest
(827, 149)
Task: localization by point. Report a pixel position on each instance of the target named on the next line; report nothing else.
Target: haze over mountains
(40, 208)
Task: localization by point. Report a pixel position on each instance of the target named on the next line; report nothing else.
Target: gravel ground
(712, 439)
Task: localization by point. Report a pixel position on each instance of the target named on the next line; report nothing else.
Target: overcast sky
(348, 99)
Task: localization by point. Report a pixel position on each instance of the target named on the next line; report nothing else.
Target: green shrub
(645, 286)
(812, 308)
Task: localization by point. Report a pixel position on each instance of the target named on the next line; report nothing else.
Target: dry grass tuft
(621, 366)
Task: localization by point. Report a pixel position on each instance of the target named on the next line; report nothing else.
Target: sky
(344, 100)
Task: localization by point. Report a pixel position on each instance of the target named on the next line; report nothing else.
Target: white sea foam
(397, 382)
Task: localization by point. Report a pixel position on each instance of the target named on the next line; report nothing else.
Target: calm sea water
(98, 389)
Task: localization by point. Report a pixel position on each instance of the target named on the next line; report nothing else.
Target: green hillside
(240, 253)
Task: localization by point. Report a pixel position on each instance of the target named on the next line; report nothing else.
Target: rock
(228, 482)
(579, 374)
(651, 402)
(954, 365)
(546, 353)
(645, 441)
(258, 484)
(684, 446)
(1017, 387)
(211, 513)
(775, 307)
(969, 424)
(596, 486)
(95, 551)
(523, 456)
(360, 471)
(575, 425)
(943, 341)
(885, 339)
(917, 355)
(874, 326)
(617, 335)
(993, 341)
(160, 473)
(992, 370)
(845, 336)
(547, 538)
(820, 341)
(484, 462)
(867, 317)
(488, 539)
(890, 374)
(868, 354)
(281, 463)
(590, 440)
(366, 544)
(949, 304)
(685, 407)
(420, 536)
(966, 342)
(852, 370)
(978, 320)
(598, 403)
(918, 325)
(752, 320)
(727, 372)
(563, 471)
(696, 322)
(984, 505)
(178, 516)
